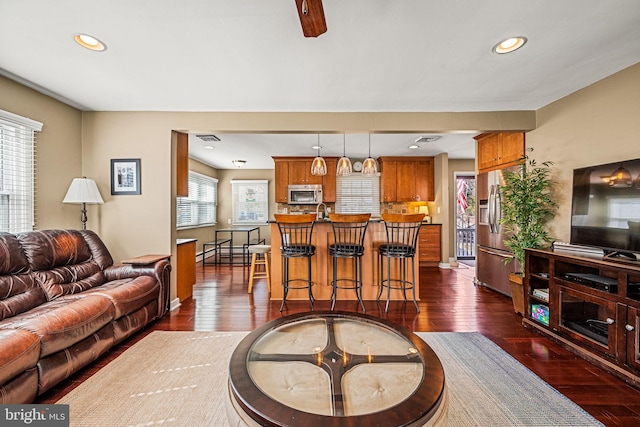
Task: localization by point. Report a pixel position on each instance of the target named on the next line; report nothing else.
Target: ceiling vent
(209, 138)
(430, 138)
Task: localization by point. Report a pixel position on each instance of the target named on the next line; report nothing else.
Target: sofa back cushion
(62, 261)
(18, 291)
(48, 249)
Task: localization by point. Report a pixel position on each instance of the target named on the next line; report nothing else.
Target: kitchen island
(322, 270)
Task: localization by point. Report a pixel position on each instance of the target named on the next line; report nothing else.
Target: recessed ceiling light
(317, 147)
(509, 45)
(89, 42)
(413, 146)
(207, 147)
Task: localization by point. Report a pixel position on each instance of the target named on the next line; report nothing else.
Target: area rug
(179, 379)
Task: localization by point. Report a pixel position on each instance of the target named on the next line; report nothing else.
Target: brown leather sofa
(63, 304)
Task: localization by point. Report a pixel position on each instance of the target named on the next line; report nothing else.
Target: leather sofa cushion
(99, 251)
(48, 249)
(19, 351)
(128, 295)
(70, 279)
(19, 293)
(12, 258)
(61, 323)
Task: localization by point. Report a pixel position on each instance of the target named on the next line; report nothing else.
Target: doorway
(465, 223)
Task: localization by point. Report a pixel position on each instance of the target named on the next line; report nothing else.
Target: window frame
(18, 172)
(195, 202)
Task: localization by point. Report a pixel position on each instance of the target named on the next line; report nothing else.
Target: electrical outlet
(415, 210)
(229, 221)
(286, 210)
(438, 209)
(328, 210)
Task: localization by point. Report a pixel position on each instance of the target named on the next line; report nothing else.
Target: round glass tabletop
(335, 368)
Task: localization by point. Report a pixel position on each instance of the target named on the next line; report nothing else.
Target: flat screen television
(605, 208)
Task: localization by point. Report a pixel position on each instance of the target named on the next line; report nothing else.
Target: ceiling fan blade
(313, 22)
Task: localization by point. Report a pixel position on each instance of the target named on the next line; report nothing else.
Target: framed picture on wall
(125, 176)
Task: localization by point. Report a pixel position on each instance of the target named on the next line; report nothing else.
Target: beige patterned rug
(179, 379)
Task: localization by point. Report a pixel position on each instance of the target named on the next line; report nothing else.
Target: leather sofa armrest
(160, 270)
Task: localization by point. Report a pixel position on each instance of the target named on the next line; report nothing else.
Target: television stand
(567, 302)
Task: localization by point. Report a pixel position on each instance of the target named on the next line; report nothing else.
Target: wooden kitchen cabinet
(387, 180)
(281, 173)
(329, 181)
(297, 171)
(499, 150)
(429, 244)
(300, 173)
(407, 179)
(182, 165)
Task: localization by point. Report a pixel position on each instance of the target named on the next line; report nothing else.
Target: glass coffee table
(335, 369)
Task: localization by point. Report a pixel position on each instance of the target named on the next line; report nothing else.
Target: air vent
(209, 138)
(431, 138)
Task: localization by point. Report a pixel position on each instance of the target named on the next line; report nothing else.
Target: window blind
(357, 193)
(199, 207)
(250, 201)
(17, 172)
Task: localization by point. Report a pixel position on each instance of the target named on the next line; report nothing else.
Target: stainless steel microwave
(305, 194)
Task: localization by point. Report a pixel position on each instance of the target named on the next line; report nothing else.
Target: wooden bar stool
(260, 256)
(348, 242)
(295, 233)
(402, 235)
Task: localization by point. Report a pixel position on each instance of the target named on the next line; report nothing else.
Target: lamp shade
(83, 190)
(424, 210)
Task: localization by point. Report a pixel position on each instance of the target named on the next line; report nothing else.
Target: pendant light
(621, 178)
(318, 166)
(369, 166)
(344, 164)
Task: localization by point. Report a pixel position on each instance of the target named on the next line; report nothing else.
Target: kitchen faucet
(318, 217)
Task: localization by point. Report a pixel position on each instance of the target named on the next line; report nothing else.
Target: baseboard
(444, 265)
(174, 304)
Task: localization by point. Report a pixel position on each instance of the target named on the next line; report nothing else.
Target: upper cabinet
(300, 172)
(182, 165)
(499, 150)
(406, 179)
(297, 171)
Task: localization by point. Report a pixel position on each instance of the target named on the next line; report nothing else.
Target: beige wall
(598, 124)
(58, 155)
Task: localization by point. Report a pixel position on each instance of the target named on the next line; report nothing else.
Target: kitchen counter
(322, 268)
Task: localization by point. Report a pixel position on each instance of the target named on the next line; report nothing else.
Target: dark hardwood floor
(448, 302)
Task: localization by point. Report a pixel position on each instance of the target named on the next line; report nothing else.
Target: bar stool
(402, 235)
(295, 233)
(259, 256)
(348, 242)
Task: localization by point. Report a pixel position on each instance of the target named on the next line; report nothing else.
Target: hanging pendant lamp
(318, 166)
(369, 166)
(344, 164)
(621, 178)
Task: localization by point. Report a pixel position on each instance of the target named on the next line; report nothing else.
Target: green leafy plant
(527, 205)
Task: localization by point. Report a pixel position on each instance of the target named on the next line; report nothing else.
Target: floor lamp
(83, 190)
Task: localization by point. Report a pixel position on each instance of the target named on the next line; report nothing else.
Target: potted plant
(527, 205)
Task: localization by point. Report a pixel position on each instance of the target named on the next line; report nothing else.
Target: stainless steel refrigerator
(491, 270)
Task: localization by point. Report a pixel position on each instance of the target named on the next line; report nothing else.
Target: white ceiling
(377, 55)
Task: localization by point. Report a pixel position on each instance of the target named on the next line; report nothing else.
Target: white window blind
(17, 172)
(357, 193)
(250, 201)
(199, 207)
